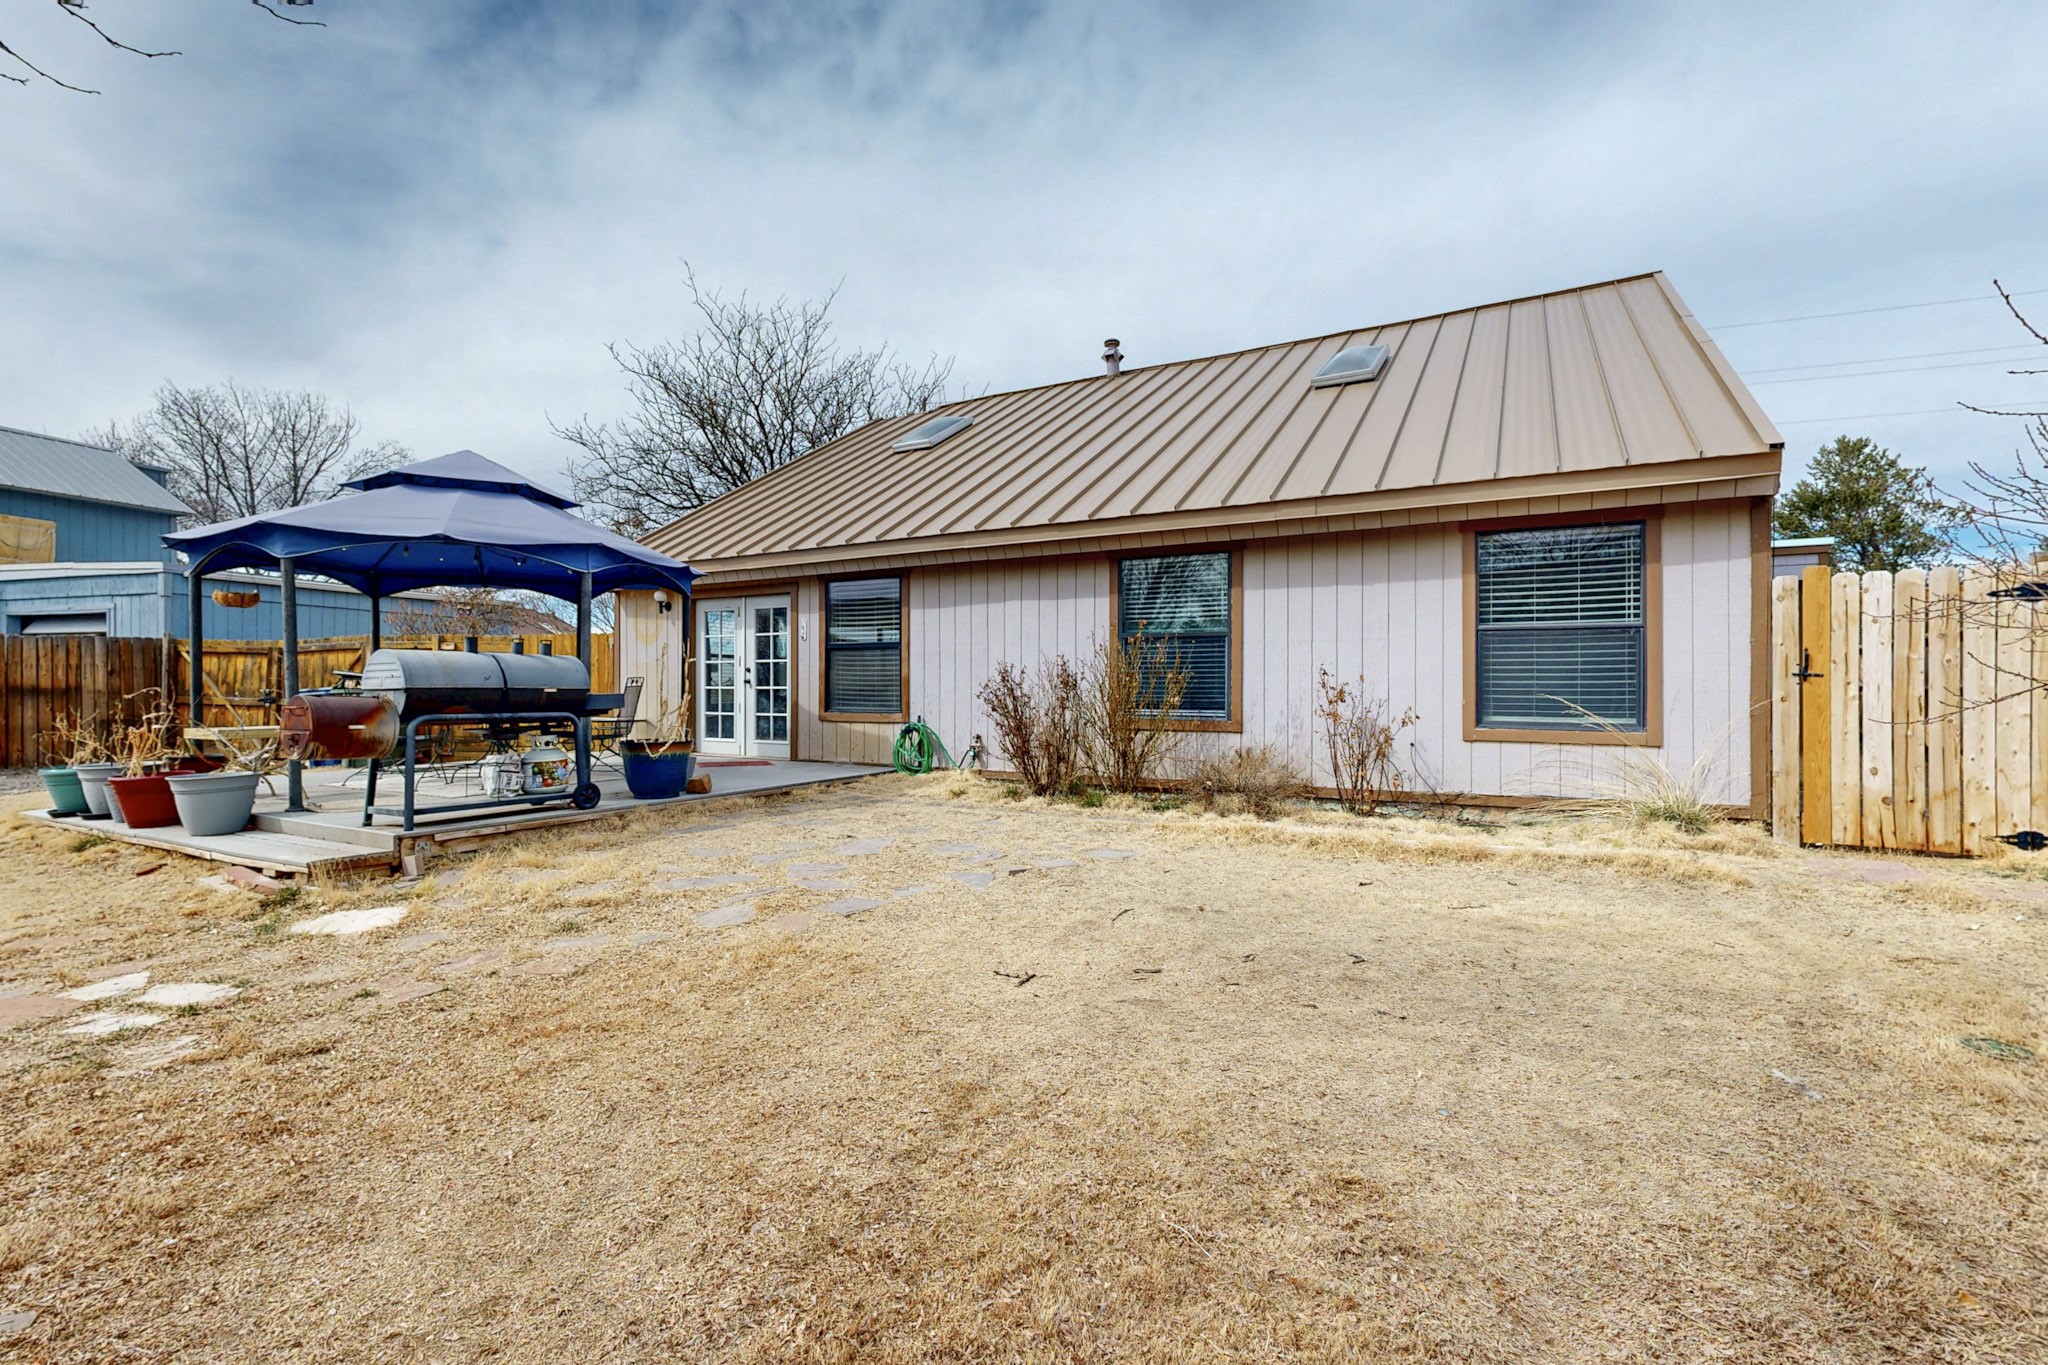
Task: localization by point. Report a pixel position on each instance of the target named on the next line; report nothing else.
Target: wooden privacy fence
(1907, 709)
(43, 678)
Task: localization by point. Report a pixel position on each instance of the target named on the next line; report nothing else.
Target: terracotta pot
(145, 802)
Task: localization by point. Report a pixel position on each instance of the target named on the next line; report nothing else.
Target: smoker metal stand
(582, 796)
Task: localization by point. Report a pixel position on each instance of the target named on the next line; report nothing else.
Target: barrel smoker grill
(403, 691)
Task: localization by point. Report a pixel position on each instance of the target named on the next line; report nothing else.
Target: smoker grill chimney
(1112, 358)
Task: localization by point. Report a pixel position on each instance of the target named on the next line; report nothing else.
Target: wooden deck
(329, 838)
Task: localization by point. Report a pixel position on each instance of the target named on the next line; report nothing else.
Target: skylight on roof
(928, 434)
(1350, 366)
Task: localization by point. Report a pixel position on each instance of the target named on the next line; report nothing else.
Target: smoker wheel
(586, 796)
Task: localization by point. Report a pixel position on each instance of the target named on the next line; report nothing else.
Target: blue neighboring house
(82, 553)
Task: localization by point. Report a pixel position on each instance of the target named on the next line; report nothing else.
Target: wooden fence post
(1909, 702)
(1785, 750)
(1944, 710)
(1979, 712)
(1874, 621)
(1816, 706)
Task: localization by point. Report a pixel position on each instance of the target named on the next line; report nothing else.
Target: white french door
(743, 677)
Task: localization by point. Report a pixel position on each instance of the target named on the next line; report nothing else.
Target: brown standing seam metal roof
(1610, 376)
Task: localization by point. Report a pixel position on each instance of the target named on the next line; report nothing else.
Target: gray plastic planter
(92, 780)
(214, 803)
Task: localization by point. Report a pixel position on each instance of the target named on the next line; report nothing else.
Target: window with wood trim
(1561, 628)
(1183, 602)
(864, 646)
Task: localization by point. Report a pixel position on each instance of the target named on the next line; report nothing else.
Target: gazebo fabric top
(460, 520)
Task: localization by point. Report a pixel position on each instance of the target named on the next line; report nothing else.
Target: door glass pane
(771, 674)
(721, 672)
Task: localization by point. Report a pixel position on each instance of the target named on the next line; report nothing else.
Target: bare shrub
(1038, 723)
(1361, 732)
(1130, 701)
(1257, 780)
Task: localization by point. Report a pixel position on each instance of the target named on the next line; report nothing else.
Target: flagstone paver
(795, 922)
(705, 883)
(109, 988)
(645, 937)
(101, 1025)
(1058, 862)
(411, 990)
(579, 943)
(900, 892)
(412, 943)
(850, 905)
(472, 962)
(555, 964)
(861, 847)
(1108, 854)
(149, 1056)
(351, 921)
(814, 869)
(13, 1325)
(724, 917)
(978, 880)
(962, 848)
(824, 884)
(176, 994)
(27, 1009)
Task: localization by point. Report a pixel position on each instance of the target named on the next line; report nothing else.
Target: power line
(1882, 359)
(1860, 312)
(1866, 416)
(1908, 369)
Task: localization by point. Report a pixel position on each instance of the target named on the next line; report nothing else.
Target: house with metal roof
(64, 501)
(1542, 525)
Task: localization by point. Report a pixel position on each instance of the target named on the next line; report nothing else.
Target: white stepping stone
(724, 917)
(980, 881)
(860, 847)
(150, 1056)
(705, 883)
(1058, 862)
(350, 921)
(101, 1025)
(824, 884)
(108, 989)
(177, 994)
(850, 905)
(1108, 854)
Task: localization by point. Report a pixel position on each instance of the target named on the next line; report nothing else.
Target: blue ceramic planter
(656, 777)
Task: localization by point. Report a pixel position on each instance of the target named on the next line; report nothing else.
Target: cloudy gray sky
(441, 213)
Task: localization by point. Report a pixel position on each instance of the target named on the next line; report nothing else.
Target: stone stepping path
(579, 943)
(645, 937)
(824, 884)
(28, 1009)
(412, 943)
(706, 883)
(900, 892)
(724, 917)
(814, 869)
(179, 994)
(1108, 854)
(979, 850)
(150, 1056)
(850, 905)
(781, 855)
(980, 881)
(1057, 862)
(557, 964)
(472, 962)
(109, 988)
(795, 922)
(350, 921)
(410, 990)
(858, 848)
(106, 1025)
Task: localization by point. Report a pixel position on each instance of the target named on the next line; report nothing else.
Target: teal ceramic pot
(66, 796)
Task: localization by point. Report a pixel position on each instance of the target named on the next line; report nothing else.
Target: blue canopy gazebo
(458, 520)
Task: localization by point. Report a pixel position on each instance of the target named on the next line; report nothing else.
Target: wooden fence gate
(1907, 709)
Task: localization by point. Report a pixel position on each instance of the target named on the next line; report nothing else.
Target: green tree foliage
(1882, 512)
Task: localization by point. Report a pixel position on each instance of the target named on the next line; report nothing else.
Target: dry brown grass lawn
(1372, 1090)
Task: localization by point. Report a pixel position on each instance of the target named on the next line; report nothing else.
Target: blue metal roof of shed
(36, 463)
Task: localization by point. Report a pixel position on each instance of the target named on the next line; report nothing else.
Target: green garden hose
(919, 749)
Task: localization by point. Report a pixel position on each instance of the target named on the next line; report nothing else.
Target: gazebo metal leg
(294, 776)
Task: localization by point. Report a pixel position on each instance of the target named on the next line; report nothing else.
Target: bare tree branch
(76, 10)
(754, 388)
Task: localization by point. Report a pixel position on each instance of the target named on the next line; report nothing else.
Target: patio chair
(605, 734)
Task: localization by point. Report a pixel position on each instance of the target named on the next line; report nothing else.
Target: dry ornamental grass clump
(1254, 780)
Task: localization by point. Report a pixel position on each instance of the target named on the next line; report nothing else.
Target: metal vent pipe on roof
(1112, 358)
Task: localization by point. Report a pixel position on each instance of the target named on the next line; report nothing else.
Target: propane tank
(545, 768)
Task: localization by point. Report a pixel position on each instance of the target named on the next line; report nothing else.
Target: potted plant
(90, 762)
(141, 794)
(660, 763)
(69, 743)
(221, 802)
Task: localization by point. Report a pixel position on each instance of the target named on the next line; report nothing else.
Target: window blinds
(1561, 627)
(864, 646)
(1183, 602)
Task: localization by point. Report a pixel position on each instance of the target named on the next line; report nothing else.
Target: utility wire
(1908, 369)
(1866, 416)
(1861, 312)
(1883, 359)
